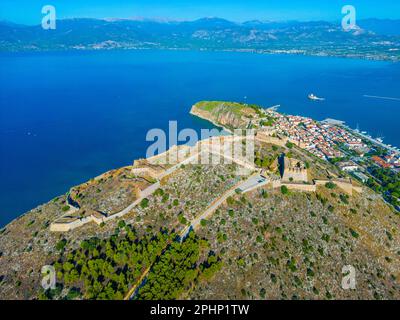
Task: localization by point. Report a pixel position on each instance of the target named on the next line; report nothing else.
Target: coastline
(85, 225)
(99, 176)
(291, 52)
(10, 212)
(230, 132)
(195, 114)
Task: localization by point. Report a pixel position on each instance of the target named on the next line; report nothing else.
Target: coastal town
(368, 160)
(327, 139)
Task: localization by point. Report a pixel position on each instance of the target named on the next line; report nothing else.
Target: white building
(348, 166)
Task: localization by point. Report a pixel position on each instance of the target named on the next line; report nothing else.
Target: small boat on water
(312, 96)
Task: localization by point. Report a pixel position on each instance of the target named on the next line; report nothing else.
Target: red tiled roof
(381, 162)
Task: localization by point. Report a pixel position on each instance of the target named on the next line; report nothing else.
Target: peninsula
(280, 227)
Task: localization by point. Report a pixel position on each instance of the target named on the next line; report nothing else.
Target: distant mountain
(372, 39)
(381, 26)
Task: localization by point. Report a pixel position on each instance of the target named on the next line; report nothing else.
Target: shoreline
(210, 121)
(276, 52)
(229, 132)
(224, 129)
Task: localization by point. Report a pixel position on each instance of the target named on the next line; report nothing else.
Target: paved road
(196, 222)
(144, 193)
(151, 189)
(253, 182)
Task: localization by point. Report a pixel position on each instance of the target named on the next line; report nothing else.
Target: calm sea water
(66, 117)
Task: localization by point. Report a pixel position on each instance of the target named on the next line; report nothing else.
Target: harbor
(377, 141)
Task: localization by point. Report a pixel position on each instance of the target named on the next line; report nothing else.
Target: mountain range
(371, 39)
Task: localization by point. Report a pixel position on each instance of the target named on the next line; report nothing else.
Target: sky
(29, 11)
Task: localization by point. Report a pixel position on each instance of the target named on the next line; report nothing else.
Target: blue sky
(29, 11)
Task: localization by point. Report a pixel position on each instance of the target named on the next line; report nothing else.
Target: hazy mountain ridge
(376, 41)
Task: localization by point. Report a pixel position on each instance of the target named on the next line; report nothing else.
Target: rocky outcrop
(226, 114)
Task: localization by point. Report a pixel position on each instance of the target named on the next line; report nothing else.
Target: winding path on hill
(252, 182)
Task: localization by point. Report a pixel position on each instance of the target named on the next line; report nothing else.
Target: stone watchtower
(293, 170)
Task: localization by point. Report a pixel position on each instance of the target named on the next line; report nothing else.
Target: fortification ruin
(293, 170)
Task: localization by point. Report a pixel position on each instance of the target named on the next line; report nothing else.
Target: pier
(373, 140)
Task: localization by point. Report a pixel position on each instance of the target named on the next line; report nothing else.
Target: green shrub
(165, 198)
(330, 185)
(121, 224)
(182, 219)
(344, 198)
(73, 293)
(289, 144)
(354, 233)
(61, 244)
(230, 201)
(159, 192)
(144, 203)
(326, 237)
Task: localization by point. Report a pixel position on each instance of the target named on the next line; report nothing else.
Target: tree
(354, 233)
(284, 190)
(61, 244)
(182, 219)
(289, 145)
(330, 185)
(105, 268)
(121, 224)
(262, 293)
(144, 203)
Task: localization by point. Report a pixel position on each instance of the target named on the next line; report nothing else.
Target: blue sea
(67, 117)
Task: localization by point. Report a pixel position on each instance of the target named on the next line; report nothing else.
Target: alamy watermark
(49, 279)
(49, 20)
(349, 21)
(349, 278)
(212, 146)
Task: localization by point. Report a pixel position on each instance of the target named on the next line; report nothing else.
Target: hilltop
(283, 229)
(231, 115)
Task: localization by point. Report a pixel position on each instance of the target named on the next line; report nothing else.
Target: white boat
(312, 96)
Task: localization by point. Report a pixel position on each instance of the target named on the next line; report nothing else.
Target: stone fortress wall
(294, 170)
(294, 176)
(345, 184)
(156, 167)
